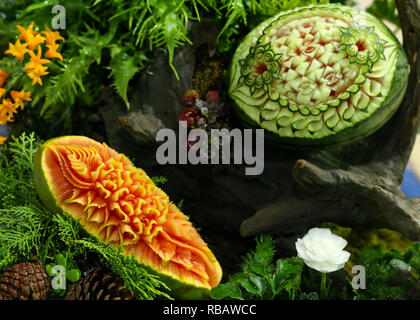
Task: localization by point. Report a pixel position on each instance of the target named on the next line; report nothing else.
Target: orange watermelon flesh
(119, 204)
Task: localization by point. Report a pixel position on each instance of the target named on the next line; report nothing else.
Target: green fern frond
(10, 64)
(141, 283)
(64, 86)
(123, 68)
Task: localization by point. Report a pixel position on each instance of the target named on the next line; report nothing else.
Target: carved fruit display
(119, 204)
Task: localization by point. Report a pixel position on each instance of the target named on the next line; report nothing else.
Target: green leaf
(180, 204)
(226, 290)
(289, 266)
(249, 286)
(73, 275)
(60, 259)
(277, 283)
(260, 261)
(48, 269)
(238, 277)
(159, 180)
(260, 284)
(59, 292)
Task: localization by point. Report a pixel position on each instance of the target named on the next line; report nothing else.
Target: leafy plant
(107, 43)
(159, 180)
(261, 278)
(382, 268)
(389, 275)
(72, 274)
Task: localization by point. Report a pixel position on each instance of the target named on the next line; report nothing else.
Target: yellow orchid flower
(2, 92)
(51, 36)
(25, 34)
(2, 140)
(31, 37)
(52, 52)
(36, 73)
(3, 77)
(19, 97)
(36, 59)
(18, 50)
(7, 110)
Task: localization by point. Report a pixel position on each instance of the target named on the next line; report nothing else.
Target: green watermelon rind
(349, 135)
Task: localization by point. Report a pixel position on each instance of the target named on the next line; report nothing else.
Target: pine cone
(24, 281)
(99, 284)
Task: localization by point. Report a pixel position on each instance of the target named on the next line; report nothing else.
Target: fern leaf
(123, 68)
(65, 85)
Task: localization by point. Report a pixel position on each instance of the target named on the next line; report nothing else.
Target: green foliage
(109, 42)
(28, 229)
(72, 274)
(385, 10)
(389, 275)
(159, 180)
(260, 261)
(180, 205)
(123, 68)
(137, 279)
(23, 222)
(382, 282)
(412, 256)
(261, 278)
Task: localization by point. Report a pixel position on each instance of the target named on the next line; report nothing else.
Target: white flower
(322, 250)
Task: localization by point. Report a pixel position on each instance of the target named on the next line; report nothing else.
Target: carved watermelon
(119, 204)
(318, 75)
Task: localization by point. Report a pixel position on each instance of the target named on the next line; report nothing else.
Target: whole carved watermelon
(319, 75)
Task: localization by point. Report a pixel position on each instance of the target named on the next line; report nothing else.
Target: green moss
(359, 238)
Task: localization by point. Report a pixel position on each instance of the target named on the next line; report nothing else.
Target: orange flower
(36, 73)
(2, 140)
(36, 60)
(3, 77)
(7, 110)
(51, 36)
(18, 50)
(31, 37)
(26, 34)
(19, 97)
(2, 92)
(52, 52)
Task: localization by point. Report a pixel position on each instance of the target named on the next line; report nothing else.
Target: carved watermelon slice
(119, 204)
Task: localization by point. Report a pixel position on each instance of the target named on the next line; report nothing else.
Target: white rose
(322, 250)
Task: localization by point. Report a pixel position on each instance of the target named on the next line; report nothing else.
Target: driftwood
(365, 194)
(356, 186)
